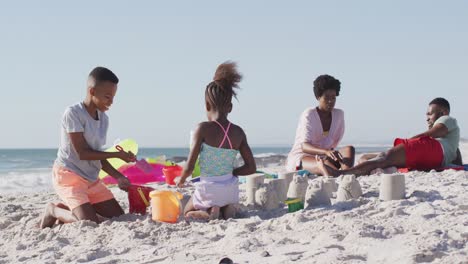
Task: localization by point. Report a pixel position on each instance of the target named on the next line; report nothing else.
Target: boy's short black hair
(326, 82)
(442, 102)
(102, 74)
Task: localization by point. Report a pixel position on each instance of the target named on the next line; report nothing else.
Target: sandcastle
(266, 197)
(348, 189)
(316, 194)
(297, 187)
(288, 177)
(392, 187)
(330, 186)
(269, 194)
(254, 182)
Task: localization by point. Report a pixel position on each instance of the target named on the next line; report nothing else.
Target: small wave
(267, 155)
(26, 182)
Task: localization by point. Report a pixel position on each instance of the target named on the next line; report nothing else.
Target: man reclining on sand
(435, 148)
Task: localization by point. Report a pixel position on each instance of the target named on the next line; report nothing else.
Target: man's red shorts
(424, 153)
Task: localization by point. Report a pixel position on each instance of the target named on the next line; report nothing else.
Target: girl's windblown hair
(220, 91)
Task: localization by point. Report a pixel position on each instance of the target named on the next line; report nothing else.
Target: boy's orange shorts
(74, 190)
(424, 153)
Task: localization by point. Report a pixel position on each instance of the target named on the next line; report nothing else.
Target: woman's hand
(334, 155)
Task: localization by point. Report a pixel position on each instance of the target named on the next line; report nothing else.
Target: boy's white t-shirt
(77, 119)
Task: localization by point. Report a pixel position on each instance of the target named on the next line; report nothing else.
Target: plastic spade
(141, 164)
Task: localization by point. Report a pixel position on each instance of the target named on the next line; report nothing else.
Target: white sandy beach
(431, 225)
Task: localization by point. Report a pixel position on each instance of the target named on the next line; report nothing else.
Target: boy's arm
(87, 153)
(249, 166)
(193, 155)
(437, 131)
(123, 181)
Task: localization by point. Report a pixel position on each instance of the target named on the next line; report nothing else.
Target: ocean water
(29, 170)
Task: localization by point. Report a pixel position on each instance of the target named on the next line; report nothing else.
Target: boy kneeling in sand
(79, 158)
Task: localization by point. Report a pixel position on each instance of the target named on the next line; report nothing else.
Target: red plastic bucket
(171, 172)
(138, 199)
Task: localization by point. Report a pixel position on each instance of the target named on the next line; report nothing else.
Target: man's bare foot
(48, 219)
(229, 211)
(197, 215)
(214, 214)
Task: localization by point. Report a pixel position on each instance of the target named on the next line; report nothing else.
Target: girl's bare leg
(228, 211)
(214, 212)
(192, 212)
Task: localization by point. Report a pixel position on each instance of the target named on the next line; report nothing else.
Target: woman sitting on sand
(320, 130)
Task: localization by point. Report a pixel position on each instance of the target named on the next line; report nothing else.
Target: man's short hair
(442, 102)
(102, 74)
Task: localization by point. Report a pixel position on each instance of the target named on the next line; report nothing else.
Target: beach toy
(166, 205)
(137, 176)
(294, 204)
(392, 187)
(303, 172)
(138, 199)
(141, 164)
(171, 172)
(196, 170)
(127, 145)
(268, 175)
(159, 159)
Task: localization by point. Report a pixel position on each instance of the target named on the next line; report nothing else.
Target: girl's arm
(249, 166)
(193, 155)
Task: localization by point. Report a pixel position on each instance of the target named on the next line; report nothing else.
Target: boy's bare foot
(214, 214)
(48, 219)
(197, 215)
(229, 211)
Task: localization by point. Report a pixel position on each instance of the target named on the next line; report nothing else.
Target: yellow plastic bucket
(166, 205)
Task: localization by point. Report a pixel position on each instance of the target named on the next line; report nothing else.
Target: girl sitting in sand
(320, 130)
(217, 143)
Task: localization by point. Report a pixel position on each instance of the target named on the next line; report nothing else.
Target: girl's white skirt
(215, 191)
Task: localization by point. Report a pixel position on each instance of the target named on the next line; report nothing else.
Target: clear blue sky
(392, 59)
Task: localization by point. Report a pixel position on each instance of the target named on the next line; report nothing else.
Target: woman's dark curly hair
(326, 82)
(220, 91)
